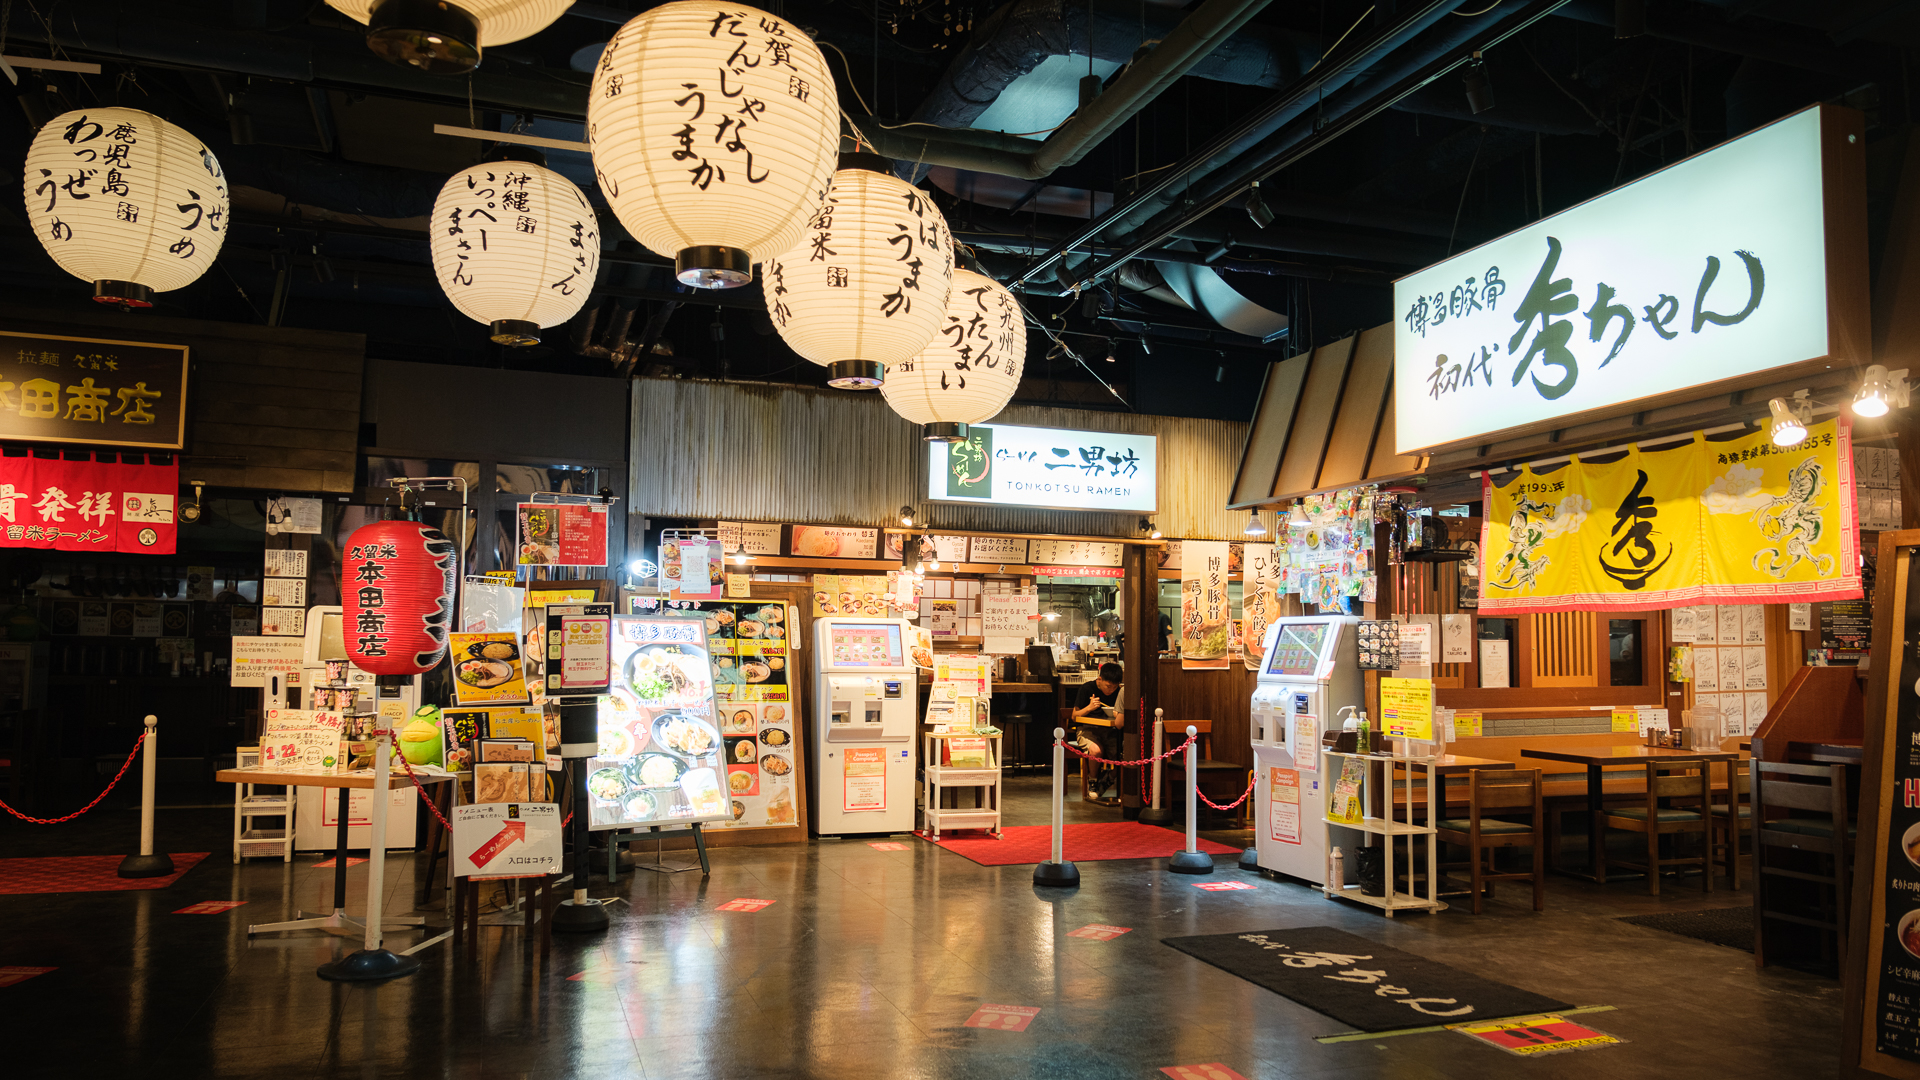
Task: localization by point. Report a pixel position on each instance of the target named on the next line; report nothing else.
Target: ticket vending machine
(1310, 672)
(866, 713)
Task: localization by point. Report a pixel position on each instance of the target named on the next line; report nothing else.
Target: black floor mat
(1732, 927)
(1360, 982)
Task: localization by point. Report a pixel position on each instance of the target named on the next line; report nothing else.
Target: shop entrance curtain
(1739, 521)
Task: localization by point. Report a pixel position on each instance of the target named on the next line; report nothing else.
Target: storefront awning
(1324, 422)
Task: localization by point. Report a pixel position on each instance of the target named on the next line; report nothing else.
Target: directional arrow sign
(509, 833)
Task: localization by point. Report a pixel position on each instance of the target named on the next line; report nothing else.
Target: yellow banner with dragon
(1733, 521)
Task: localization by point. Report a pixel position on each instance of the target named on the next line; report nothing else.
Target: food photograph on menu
(661, 756)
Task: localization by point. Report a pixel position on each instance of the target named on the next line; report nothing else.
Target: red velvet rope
(137, 743)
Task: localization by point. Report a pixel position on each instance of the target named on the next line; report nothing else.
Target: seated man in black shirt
(1094, 699)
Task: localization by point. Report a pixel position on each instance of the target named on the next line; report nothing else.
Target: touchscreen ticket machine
(1310, 672)
(866, 704)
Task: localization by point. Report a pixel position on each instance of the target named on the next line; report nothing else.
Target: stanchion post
(147, 864)
(1156, 814)
(580, 740)
(1192, 860)
(1058, 872)
(373, 962)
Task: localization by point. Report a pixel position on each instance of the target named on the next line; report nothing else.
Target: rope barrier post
(1155, 814)
(1058, 872)
(373, 962)
(147, 864)
(1192, 860)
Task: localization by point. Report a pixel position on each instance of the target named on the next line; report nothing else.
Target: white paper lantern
(866, 287)
(445, 38)
(714, 130)
(515, 245)
(970, 371)
(126, 200)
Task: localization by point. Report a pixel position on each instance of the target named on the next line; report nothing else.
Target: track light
(1147, 526)
(1254, 525)
(1145, 345)
(1479, 90)
(906, 517)
(1881, 390)
(1790, 420)
(1257, 207)
(1299, 516)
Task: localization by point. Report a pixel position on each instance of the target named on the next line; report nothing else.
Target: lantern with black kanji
(396, 597)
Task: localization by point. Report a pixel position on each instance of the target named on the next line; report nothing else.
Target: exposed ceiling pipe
(1436, 54)
(1331, 74)
(1212, 23)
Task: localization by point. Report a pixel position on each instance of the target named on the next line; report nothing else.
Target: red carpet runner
(83, 873)
(1095, 842)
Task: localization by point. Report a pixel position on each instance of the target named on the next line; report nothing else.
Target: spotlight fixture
(191, 512)
(1147, 526)
(1145, 345)
(1299, 516)
(1051, 616)
(1790, 420)
(1257, 207)
(906, 517)
(1479, 90)
(1254, 525)
(1881, 390)
(741, 558)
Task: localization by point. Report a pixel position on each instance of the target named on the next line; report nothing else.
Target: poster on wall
(1205, 621)
(661, 755)
(1007, 621)
(562, 534)
(833, 542)
(1260, 599)
(1740, 521)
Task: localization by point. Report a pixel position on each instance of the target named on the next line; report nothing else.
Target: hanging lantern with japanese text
(396, 596)
(515, 245)
(971, 369)
(714, 128)
(126, 200)
(866, 286)
(443, 38)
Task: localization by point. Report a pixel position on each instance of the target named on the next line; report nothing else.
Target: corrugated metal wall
(759, 453)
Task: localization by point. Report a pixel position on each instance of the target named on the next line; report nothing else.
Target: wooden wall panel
(1225, 697)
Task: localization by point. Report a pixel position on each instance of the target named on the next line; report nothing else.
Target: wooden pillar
(1896, 321)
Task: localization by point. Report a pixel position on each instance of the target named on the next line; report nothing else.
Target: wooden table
(1022, 688)
(1449, 764)
(1596, 759)
(338, 922)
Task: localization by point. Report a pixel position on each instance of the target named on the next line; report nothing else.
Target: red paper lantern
(396, 597)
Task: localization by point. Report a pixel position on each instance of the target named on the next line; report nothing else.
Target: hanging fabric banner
(1259, 598)
(1206, 626)
(58, 505)
(1740, 521)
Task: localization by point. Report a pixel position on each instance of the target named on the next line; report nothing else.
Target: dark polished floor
(867, 965)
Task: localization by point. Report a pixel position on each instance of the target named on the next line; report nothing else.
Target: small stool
(1017, 725)
(542, 898)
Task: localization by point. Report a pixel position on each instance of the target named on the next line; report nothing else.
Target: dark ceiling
(1355, 117)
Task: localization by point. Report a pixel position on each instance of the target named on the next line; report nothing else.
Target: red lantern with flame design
(396, 597)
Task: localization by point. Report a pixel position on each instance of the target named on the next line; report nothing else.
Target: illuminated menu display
(866, 645)
(1297, 649)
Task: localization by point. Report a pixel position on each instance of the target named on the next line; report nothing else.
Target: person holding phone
(1100, 700)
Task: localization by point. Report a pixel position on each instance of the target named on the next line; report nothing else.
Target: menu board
(1892, 1009)
(851, 594)
(865, 645)
(750, 649)
(577, 649)
(660, 756)
(1075, 552)
(562, 534)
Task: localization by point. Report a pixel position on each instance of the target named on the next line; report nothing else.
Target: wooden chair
(1686, 786)
(1088, 770)
(1822, 827)
(1496, 790)
(1729, 821)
